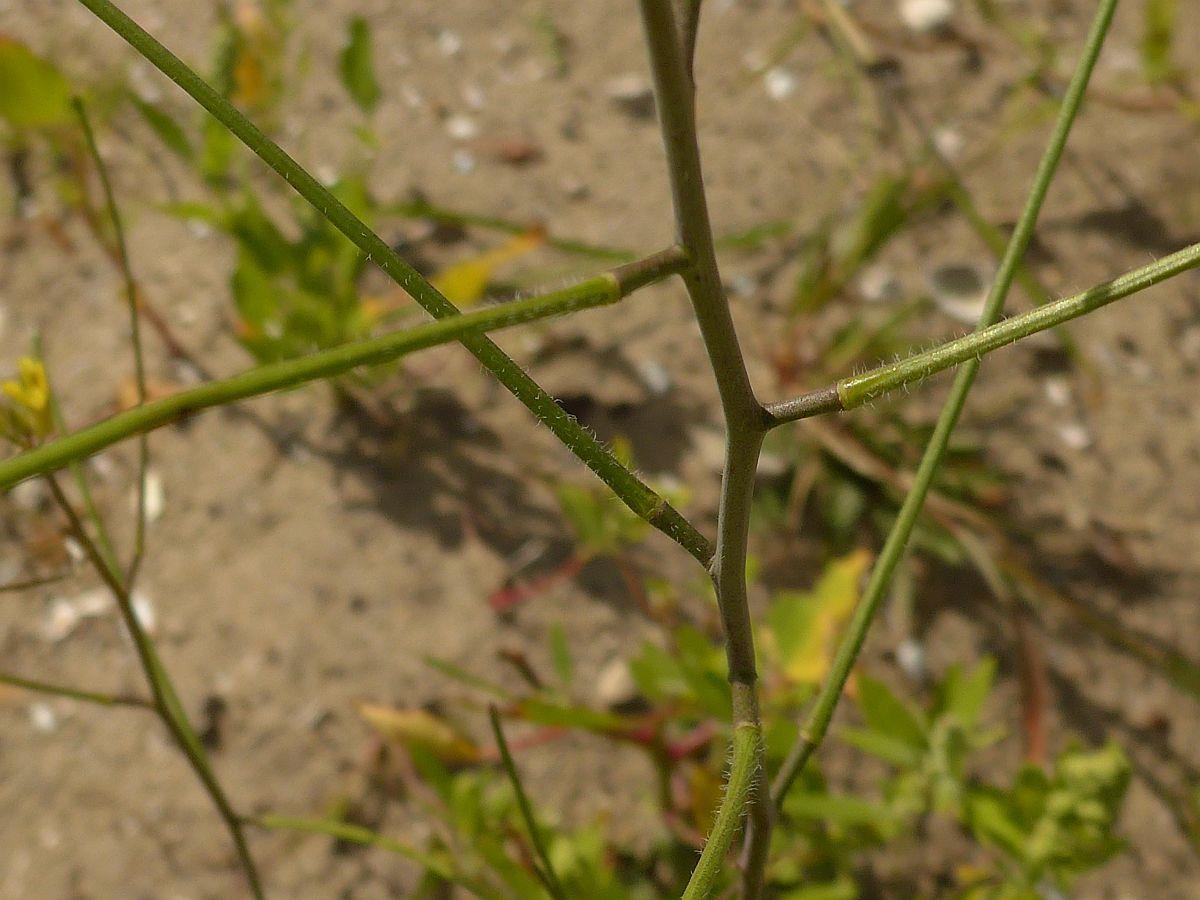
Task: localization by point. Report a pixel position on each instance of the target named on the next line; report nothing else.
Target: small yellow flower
(30, 394)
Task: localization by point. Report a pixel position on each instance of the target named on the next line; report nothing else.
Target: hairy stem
(817, 723)
(859, 389)
(745, 420)
(606, 288)
(632, 491)
(747, 752)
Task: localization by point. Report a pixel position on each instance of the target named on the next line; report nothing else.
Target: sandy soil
(290, 584)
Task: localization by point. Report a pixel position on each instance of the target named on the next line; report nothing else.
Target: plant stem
(859, 389)
(689, 30)
(166, 702)
(745, 420)
(817, 723)
(135, 331)
(632, 491)
(545, 870)
(44, 687)
(26, 584)
(603, 289)
(747, 752)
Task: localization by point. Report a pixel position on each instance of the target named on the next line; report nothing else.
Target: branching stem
(166, 702)
(745, 420)
(632, 491)
(856, 390)
(817, 723)
(603, 289)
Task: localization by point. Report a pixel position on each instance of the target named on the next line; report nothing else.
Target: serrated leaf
(356, 65)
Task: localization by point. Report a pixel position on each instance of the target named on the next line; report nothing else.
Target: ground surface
(290, 585)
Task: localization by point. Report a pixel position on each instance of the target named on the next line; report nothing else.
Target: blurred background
(340, 578)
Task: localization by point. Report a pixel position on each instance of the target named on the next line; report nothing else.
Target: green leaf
(838, 810)
(887, 715)
(560, 653)
(842, 889)
(889, 749)
(33, 92)
(167, 129)
(357, 67)
(1158, 35)
(963, 694)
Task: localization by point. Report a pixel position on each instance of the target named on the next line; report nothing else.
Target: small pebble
(143, 610)
(926, 16)
(654, 376)
(879, 284)
(615, 686)
(910, 657)
(30, 496)
(65, 614)
(1058, 391)
(959, 291)
(42, 717)
(632, 94)
(464, 161)
(780, 83)
(156, 498)
(449, 43)
(949, 142)
(1074, 435)
(462, 128)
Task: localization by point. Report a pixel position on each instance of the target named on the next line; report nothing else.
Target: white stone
(925, 16)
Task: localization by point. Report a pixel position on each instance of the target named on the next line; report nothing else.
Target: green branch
(59, 690)
(859, 389)
(817, 724)
(603, 289)
(670, 46)
(166, 701)
(632, 491)
(747, 748)
(135, 331)
(544, 868)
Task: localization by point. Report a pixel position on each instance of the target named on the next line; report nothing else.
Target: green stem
(817, 724)
(135, 331)
(545, 869)
(747, 748)
(670, 47)
(859, 389)
(632, 491)
(59, 690)
(603, 289)
(166, 701)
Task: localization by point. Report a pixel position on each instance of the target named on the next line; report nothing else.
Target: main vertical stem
(745, 419)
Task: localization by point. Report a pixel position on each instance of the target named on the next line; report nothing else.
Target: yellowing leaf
(464, 283)
(420, 729)
(804, 626)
